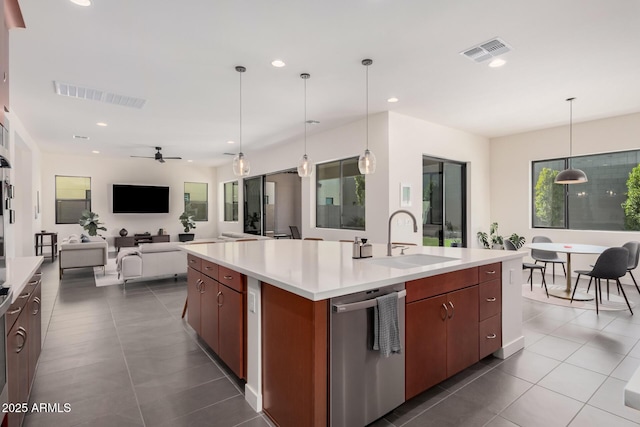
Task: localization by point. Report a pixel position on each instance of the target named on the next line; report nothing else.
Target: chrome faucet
(415, 227)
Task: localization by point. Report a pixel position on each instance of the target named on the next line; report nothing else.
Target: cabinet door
(35, 330)
(18, 366)
(209, 312)
(462, 330)
(194, 280)
(231, 337)
(426, 344)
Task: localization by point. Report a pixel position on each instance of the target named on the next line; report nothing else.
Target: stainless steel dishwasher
(364, 385)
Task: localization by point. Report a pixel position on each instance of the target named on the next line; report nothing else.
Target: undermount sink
(410, 261)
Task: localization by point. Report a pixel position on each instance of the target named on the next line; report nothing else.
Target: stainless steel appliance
(364, 385)
(5, 302)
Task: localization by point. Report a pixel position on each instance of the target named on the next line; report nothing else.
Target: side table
(53, 242)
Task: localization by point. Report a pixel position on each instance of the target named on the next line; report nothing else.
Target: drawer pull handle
(25, 296)
(228, 277)
(35, 282)
(192, 261)
(21, 332)
(453, 310)
(36, 301)
(446, 311)
(220, 294)
(490, 337)
(16, 311)
(208, 268)
(493, 299)
(490, 272)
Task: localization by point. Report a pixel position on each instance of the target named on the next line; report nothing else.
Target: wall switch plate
(252, 302)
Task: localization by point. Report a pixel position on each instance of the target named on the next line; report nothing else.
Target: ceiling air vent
(487, 50)
(79, 92)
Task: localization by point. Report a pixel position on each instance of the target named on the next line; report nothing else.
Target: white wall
(409, 140)
(511, 176)
(107, 171)
(339, 143)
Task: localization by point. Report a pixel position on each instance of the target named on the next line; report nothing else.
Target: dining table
(568, 248)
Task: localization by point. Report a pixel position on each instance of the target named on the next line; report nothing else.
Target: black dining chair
(547, 256)
(295, 233)
(611, 265)
(508, 245)
(634, 255)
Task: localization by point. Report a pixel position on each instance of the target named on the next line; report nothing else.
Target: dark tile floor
(127, 359)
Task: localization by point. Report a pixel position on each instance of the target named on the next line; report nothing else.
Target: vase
(123, 232)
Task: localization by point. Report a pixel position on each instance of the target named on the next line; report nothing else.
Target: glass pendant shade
(241, 166)
(367, 162)
(305, 167)
(571, 176)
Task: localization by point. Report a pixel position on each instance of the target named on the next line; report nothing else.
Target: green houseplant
(631, 206)
(492, 240)
(518, 241)
(186, 219)
(90, 221)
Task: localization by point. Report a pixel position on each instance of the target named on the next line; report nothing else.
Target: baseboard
(253, 398)
(510, 348)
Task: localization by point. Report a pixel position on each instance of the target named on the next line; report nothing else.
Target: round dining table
(568, 248)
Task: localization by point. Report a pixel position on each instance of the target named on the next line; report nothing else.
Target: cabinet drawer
(436, 285)
(489, 272)
(209, 268)
(17, 308)
(231, 278)
(490, 299)
(490, 335)
(194, 262)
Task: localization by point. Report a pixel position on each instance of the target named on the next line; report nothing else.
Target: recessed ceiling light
(231, 142)
(497, 63)
(81, 137)
(393, 99)
(278, 63)
(313, 122)
(103, 124)
(189, 161)
(95, 152)
(81, 2)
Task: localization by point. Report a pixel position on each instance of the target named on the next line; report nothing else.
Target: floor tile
(417, 405)
(594, 417)
(572, 381)
(494, 390)
(543, 324)
(453, 411)
(575, 333)
(595, 359)
(589, 319)
(609, 397)
(528, 366)
(554, 347)
(543, 408)
(613, 342)
(227, 413)
(463, 378)
(500, 422)
(626, 368)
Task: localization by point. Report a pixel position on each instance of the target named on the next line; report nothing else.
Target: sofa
(151, 260)
(82, 251)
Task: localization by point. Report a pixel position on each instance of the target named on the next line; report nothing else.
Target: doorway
(444, 216)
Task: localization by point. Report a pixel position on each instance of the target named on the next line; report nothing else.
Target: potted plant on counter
(492, 240)
(186, 219)
(90, 221)
(518, 241)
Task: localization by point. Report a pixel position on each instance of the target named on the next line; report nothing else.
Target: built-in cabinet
(452, 320)
(130, 241)
(23, 323)
(216, 301)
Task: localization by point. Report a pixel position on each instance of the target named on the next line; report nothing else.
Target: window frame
(206, 201)
(234, 205)
(341, 178)
(89, 200)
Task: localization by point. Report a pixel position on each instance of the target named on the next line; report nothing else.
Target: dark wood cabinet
(35, 329)
(462, 330)
(217, 311)
(131, 241)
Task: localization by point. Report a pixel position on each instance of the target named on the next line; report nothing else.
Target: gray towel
(386, 336)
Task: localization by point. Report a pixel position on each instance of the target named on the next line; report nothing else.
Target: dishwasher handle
(360, 305)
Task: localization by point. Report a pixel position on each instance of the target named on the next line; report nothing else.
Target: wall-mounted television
(140, 199)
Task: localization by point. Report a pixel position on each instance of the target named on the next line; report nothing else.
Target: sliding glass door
(253, 205)
(443, 203)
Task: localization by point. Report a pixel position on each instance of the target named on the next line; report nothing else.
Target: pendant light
(367, 161)
(241, 166)
(571, 176)
(305, 167)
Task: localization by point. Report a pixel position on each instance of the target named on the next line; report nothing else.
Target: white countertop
(19, 272)
(318, 270)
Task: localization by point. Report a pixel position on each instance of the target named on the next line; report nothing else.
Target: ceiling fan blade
(143, 157)
(161, 160)
(173, 158)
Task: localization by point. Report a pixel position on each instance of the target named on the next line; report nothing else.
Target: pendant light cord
(570, 128)
(367, 101)
(305, 116)
(240, 73)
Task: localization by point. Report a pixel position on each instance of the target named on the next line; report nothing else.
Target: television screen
(140, 199)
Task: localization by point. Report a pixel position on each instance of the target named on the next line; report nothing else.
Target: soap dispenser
(356, 248)
(366, 249)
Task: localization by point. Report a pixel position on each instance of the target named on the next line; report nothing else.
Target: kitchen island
(283, 300)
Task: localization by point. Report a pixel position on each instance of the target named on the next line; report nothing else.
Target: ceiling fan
(158, 156)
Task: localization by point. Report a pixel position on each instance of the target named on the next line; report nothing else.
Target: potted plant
(90, 221)
(492, 240)
(186, 219)
(452, 235)
(518, 241)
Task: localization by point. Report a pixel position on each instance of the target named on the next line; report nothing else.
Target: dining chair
(313, 238)
(547, 256)
(509, 246)
(634, 253)
(295, 233)
(611, 265)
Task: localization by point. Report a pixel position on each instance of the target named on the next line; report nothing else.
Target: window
(595, 205)
(73, 195)
(231, 201)
(340, 195)
(196, 200)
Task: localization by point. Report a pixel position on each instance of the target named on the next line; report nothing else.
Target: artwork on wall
(405, 195)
